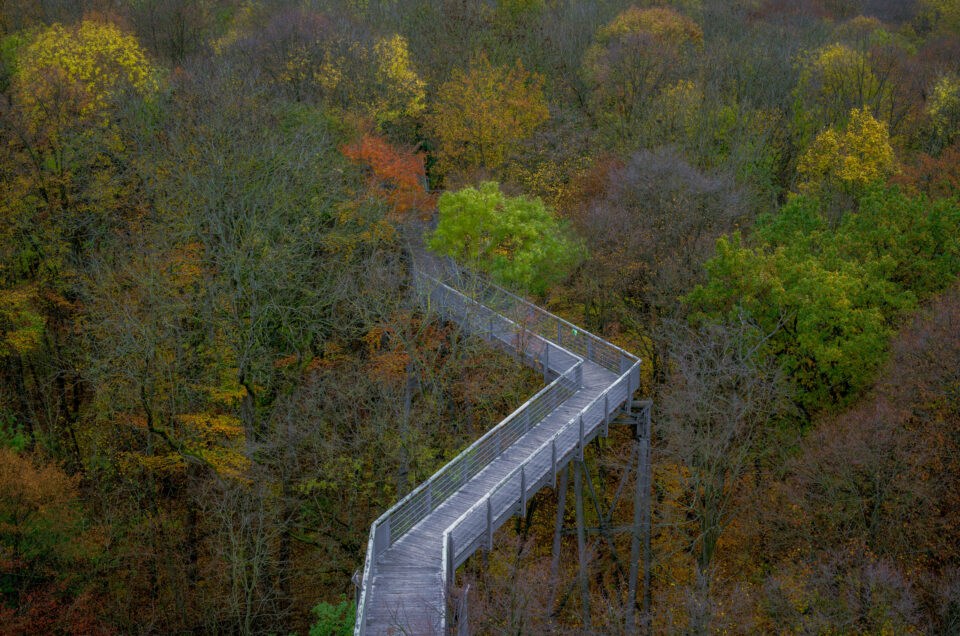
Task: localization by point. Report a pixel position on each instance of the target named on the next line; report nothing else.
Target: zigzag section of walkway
(416, 546)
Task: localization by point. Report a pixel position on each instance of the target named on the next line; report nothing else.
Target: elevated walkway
(416, 546)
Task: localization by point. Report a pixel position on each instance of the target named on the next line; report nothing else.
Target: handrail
(561, 384)
(571, 343)
(382, 534)
(540, 310)
(544, 323)
(360, 623)
(449, 555)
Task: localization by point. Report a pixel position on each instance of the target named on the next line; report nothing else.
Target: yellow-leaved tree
(869, 72)
(483, 112)
(660, 22)
(943, 110)
(307, 56)
(95, 60)
(21, 325)
(635, 57)
(942, 15)
(848, 159)
(834, 79)
(65, 175)
(66, 82)
(401, 91)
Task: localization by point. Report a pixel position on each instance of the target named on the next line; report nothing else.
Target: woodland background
(213, 375)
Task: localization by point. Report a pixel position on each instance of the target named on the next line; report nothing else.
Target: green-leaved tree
(517, 240)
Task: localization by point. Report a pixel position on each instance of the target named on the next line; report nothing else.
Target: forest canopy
(214, 373)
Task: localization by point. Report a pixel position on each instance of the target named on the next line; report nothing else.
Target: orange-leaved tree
(397, 174)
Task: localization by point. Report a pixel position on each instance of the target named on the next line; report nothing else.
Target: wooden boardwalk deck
(407, 594)
(417, 545)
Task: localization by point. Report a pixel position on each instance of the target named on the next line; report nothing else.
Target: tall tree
(721, 394)
(483, 111)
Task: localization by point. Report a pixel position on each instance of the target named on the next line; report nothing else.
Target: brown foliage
(34, 497)
(790, 10)
(290, 49)
(846, 590)
(42, 551)
(50, 610)
(172, 29)
(649, 224)
(933, 176)
(885, 473)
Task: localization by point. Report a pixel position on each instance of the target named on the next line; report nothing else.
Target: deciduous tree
(517, 240)
(649, 224)
(483, 111)
(397, 175)
(722, 392)
(849, 160)
(635, 57)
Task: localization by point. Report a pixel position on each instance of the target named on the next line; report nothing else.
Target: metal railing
(475, 527)
(538, 320)
(426, 497)
(544, 340)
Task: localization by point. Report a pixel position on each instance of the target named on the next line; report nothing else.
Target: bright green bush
(334, 620)
(517, 240)
(11, 434)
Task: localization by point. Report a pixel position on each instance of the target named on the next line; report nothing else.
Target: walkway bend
(416, 545)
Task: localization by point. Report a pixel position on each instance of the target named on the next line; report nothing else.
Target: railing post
(581, 436)
(646, 419)
(523, 490)
(489, 525)
(357, 580)
(381, 537)
(451, 559)
(531, 320)
(606, 414)
(553, 460)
